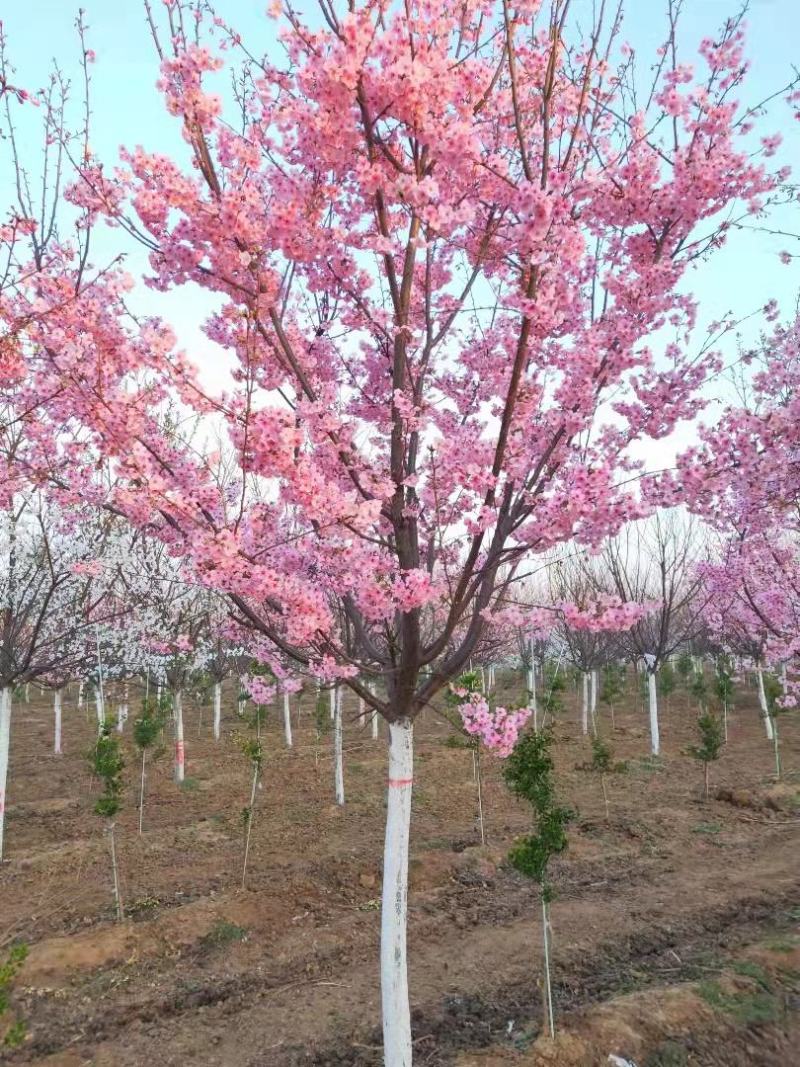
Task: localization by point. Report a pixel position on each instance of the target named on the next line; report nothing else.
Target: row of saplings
(529, 769)
(107, 765)
(528, 772)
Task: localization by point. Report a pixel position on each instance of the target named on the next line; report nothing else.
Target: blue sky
(128, 109)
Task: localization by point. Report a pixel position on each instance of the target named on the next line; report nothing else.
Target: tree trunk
(5, 738)
(100, 710)
(180, 750)
(550, 1028)
(776, 747)
(534, 696)
(593, 703)
(250, 814)
(80, 694)
(585, 708)
(652, 691)
(338, 762)
(57, 724)
(141, 790)
(531, 683)
(394, 905)
(115, 872)
(217, 709)
(479, 784)
(762, 700)
(287, 719)
(122, 710)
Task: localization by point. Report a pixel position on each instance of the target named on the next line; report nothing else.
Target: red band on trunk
(400, 781)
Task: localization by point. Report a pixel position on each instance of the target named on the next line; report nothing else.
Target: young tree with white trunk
(654, 562)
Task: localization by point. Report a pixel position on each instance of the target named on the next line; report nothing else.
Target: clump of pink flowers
(498, 728)
(262, 690)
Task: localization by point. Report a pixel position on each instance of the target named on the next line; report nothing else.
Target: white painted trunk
(180, 749)
(585, 708)
(762, 700)
(332, 701)
(5, 740)
(57, 722)
(100, 710)
(80, 694)
(362, 713)
(287, 720)
(655, 739)
(375, 726)
(593, 702)
(531, 685)
(217, 709)
(121, 717)
(394, 905)
(338, 760)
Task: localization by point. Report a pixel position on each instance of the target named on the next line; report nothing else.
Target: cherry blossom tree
(740, 603)
(744, 479)
(439, 240)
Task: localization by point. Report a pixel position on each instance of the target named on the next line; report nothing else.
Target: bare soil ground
(676, 921)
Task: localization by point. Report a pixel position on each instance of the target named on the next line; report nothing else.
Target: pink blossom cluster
(92, 568)
(606, 613)
(497, 728)
(329, 670)
(261, 690)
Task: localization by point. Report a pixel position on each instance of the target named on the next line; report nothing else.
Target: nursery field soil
(662, 906)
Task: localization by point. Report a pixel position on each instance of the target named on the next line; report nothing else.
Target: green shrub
(105, 759)
(13, 1034)
(711, 741)
(528, 772)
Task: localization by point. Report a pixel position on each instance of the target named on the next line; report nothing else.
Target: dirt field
(676, 921)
